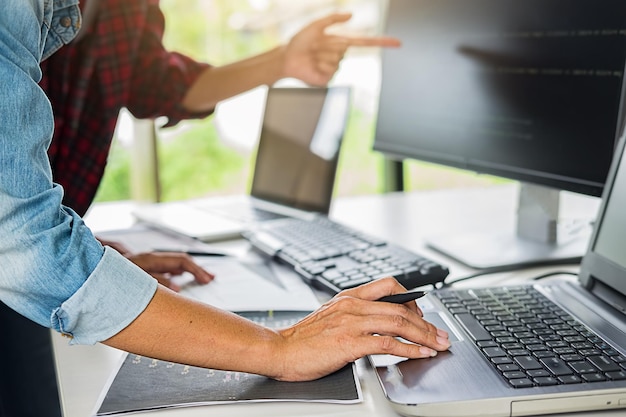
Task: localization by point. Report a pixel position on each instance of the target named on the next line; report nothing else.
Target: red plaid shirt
(120, 62)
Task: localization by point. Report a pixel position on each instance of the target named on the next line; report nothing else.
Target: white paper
(249, 285)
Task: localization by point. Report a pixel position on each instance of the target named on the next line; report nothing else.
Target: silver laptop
(551, 347)
(294, 173)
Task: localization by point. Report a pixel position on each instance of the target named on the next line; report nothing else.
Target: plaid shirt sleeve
(119, 62)
(161, 78)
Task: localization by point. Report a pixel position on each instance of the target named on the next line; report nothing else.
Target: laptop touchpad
(435, 319)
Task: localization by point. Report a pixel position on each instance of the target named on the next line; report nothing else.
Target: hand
(353, 325)
(164, 265)
(313, 56)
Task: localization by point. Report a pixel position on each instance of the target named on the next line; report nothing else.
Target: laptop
(294, 172)
(532, 358)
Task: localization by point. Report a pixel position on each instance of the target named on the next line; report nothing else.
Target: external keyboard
(530, 340)
(334, 257)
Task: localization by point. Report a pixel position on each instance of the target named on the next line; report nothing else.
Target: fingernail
(442, 333)
(428, 352)
(443, 341)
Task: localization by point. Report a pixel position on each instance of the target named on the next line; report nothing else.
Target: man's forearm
(219, 83)
(178, 329)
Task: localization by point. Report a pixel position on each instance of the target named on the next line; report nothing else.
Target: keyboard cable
(494, 271)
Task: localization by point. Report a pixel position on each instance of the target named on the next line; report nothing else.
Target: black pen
(403, 297)
(192, 252)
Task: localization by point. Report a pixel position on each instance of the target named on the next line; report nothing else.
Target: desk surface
(83, 371)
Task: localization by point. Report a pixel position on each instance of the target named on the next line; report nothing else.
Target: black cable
(465, 278)
(492, 271)
(549, 274)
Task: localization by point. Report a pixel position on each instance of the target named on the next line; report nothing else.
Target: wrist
(277, 64)
(270, 349)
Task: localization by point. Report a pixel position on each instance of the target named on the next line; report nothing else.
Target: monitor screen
(528, 90)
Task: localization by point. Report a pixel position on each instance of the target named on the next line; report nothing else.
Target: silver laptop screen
(611, 238)
(299, 146)
(604, 266)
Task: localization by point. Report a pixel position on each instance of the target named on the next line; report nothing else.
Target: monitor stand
(540, 238)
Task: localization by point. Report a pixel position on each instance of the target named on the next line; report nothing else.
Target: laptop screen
(299, 146)
(612, 231)
(605, 263)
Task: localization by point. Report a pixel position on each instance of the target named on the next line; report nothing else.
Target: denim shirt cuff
(112, 297)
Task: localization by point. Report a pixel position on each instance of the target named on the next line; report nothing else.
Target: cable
(465, 278)
(491, 271)
(549, 274)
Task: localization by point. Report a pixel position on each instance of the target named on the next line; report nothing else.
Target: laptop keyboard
(334, 257)
(531, 341)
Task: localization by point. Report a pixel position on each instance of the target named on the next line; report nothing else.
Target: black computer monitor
(527, 90)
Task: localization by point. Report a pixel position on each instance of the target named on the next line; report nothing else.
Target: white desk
(405, 219)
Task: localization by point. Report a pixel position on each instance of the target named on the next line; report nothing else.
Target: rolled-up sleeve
(114, 294)
(52, 269)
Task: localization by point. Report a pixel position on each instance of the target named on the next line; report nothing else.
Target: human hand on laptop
(352, 325)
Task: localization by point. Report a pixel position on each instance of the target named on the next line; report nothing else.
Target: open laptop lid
(603, 270)
(299, 145)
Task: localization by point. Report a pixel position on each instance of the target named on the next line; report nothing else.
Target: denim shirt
(52, 269)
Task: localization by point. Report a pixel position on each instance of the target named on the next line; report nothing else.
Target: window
(212, 156)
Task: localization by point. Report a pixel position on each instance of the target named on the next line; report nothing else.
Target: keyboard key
(332, 274)
(527, 362)
(572, 358)
(618, 358)
(473, 327)
(514, 375)
(494, 352)
(353, 283)
(616, 376)
(544, 354)
(557, 366)
(508, 367)
(595, 377)
(583, 367)
(536, 373)
(521, 383)
(546, 381)
(603, 363)
(518, 352)
(570, 379)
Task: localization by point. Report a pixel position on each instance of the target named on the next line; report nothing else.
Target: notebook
(145, 384)
(533, 358)
(294, 171)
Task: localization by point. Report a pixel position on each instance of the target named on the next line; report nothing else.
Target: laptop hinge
(609, 295)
